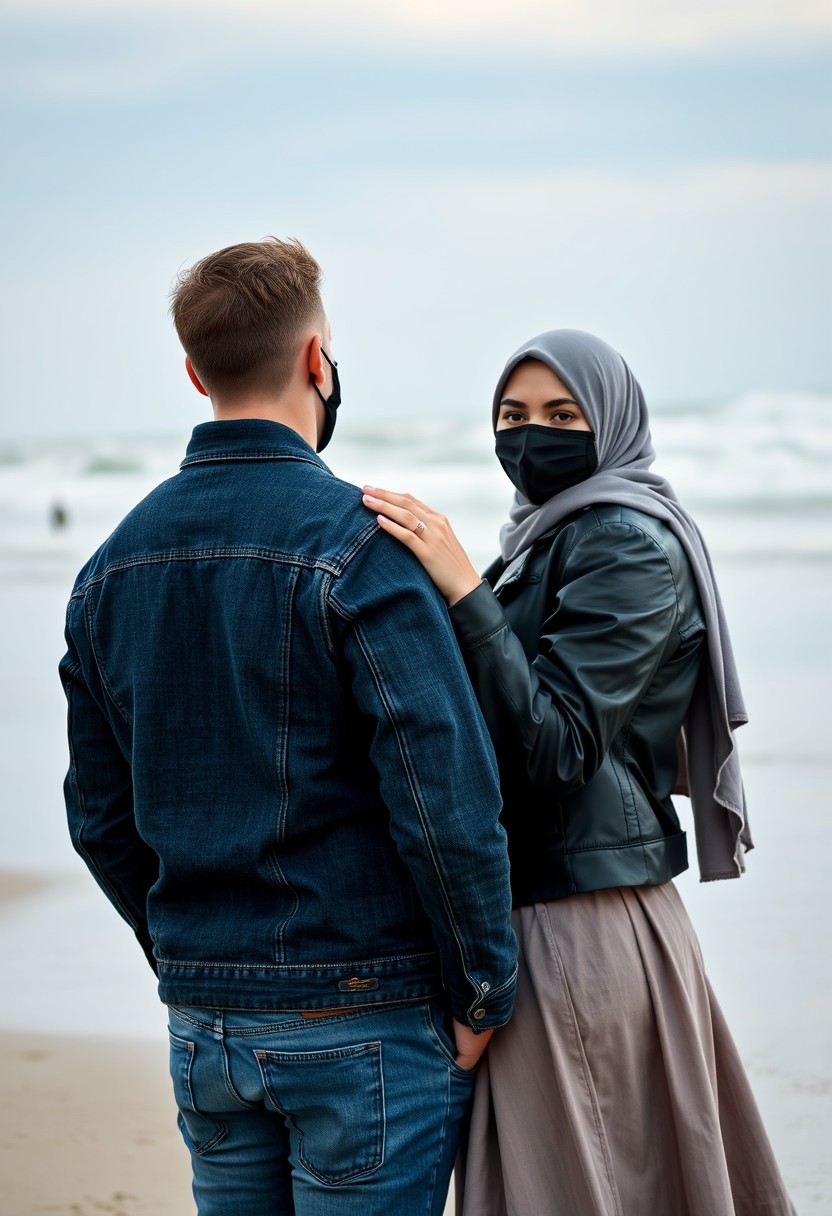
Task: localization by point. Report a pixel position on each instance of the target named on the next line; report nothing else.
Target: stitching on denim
(221, 1128)
(323, 615)
(372, 1052)
(414, 788)
(358, 542)
(430, 1030)
(254, 552)
(437, 1157)
(282, 735)
(229, 1084)
(223, 455)
(336, 967)
(347, 1052)
(369, 532)
(301, 1024)
(510, 983)
(100, 668)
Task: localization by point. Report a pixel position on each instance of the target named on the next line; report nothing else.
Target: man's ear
(194, 378)
(315, 360)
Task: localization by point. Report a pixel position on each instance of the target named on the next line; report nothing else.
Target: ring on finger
(420, 528)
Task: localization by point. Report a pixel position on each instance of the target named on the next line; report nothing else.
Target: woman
(600, 656)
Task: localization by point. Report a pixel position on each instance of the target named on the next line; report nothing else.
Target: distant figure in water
(596, 643)
(58, 516)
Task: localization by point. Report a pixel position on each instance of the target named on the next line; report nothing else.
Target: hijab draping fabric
(613, 404)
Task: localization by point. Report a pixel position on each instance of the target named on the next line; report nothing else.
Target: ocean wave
(754, 468)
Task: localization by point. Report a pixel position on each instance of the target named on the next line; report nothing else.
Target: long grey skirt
(616, 1090)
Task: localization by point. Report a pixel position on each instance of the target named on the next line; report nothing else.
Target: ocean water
(756, 473)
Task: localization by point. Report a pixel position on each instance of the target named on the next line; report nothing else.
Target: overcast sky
(468, 174)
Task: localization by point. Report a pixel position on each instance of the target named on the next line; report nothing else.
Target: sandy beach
(89, 1126)
(87, 1123)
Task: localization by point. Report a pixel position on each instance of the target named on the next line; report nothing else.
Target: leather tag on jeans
(357, 985)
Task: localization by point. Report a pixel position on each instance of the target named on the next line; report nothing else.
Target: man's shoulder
(123, 542)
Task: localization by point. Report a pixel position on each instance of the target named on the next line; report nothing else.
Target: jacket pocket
(334, 1100)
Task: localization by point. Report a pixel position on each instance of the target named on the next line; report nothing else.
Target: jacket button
(479, 1014)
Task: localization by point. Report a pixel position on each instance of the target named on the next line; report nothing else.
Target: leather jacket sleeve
(610, 616)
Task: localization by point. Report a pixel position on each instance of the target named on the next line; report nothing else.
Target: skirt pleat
(616, 1090)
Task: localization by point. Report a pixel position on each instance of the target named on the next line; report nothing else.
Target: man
(279, 776)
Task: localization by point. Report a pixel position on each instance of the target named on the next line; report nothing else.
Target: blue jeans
(287, 1114)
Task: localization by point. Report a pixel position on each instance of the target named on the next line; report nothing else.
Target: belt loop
(218, 1024)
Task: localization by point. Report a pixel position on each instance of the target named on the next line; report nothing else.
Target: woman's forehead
(533, 376)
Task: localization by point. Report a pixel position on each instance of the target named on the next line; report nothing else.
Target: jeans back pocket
(334, 1100)
(199, 1130)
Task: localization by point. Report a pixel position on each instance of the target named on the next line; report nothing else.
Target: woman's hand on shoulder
(429, 536)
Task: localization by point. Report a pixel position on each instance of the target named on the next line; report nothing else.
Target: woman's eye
(514, 417)
(561, 416)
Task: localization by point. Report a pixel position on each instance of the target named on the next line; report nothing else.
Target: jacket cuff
(492, 1007)
(477, 615)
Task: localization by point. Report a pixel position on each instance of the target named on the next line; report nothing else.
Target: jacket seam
(217, 455)
(695, 626)
(486, 637)
(601, 525)
(621, 844)
(280, 773)
(617, 776)
(413, 785)
(99, 666)
(323, 602)
(359, 541)
(340, 966)
(195, 555)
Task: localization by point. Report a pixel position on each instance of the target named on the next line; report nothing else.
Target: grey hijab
(613, 404)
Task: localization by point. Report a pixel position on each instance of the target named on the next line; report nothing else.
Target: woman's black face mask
(330, 403)
(543, 460)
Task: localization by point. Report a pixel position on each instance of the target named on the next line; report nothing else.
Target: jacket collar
(247, 439)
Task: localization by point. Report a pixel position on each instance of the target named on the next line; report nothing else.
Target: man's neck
(293, 414)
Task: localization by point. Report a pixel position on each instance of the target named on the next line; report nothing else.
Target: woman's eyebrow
(523, 406)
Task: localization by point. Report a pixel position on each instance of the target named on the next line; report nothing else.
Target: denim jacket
(279, 774)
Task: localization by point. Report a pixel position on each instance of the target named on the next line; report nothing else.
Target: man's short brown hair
(241, 312)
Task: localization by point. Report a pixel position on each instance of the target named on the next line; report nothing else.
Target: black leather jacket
(584, 658)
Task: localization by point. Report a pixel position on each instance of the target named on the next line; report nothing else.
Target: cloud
(86, 50)
(225, 29)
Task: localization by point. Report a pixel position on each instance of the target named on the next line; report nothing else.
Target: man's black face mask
(330, 403)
